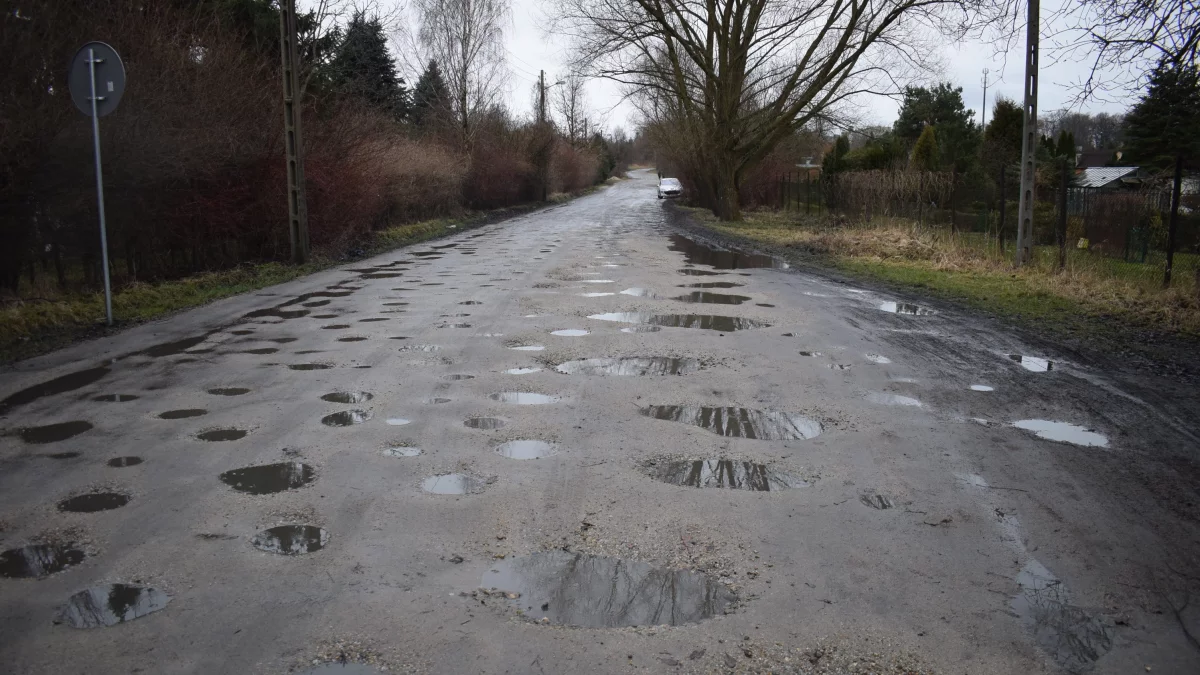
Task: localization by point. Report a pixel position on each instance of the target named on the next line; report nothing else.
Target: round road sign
(110, 78)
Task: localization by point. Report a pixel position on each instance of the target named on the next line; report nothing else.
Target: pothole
(523, 371)
(713, 284)
(485, 423)
(699, 273)
(1063, 432)
(575, 589)
(93, 502)
(269, 478)
(905, 308)
(528, 348)
(309, 366)
(526, 449)
(712, 298)
(352, 338)
(221, 435)
(401, 451)
(570, 332)
(53, 433)
(115, 398)
(640, 329)
(452, 484)
(698, 253)
(291, 539)
(38, 560)
(456, 377)
(229, 391)
(346, 418)
(523, 398)
(182, 414)
(723, 473)
(1033, 364)
(703, 321)
(58, 385)
(121, 462)
(630, 366)
(348, 397)
(739, 422)
(1069, 634)
(111, 605)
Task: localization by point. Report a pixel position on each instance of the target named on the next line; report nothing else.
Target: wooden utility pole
(293, 144)
(1028, 140)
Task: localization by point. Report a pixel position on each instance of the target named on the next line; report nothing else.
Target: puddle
(229, 391)
(523, 371)
(713, 284)
(53, 433)
(982, 387)
(336, 326)
(638, 292)
(470, 302)
(58, 385)
(261, 350)
(93, 502)
(325, 316)
(111, 605)
(574, 589)
(723, 473)
(712, 298)
(381, 275)
(810, 354)
(277, 313)
(173, 348)
(704, 321)
(451, 484)
(1062, 432)
(352, 338)
(283, 340)
(243, 332)
(220, 435)
(269, 478)
(763, 304)
(526, 449)
(486, 423)
(876, 500)
(892, 399)
(115, 398)
(570, 332)
(906, 308)
(523, 398)
(420, 348)
(767, 425)
(394, 304)
(401, 451)
(1033, 364)
(596, 281)
(182, 414)
(528, 348)
(702, 254)
(291, 539)
(438, 400)
(374, 319)
(38, 560)
(455, 377)
(630, 366)
(309, 366)
(594, 295)
(878, 358)
(348, 397)
(699, 273)
(398, 421)
(641, 329)
(1071, 636)
(316, 303)
(120, 462)
(346, 418)
(62, 455)
(838, 366)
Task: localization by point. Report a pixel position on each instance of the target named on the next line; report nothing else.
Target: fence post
(1175, 190)
(1062, 217)
(1003, 209)
(807, 193)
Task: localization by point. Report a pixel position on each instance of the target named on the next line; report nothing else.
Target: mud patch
(722, 473)
(768, 425)
(229, 391)
(221, 435)
(93, 502)
(38, 560)
(291, 539)
(575, 589)
(630, 366)
(53, 433)
(452, 484)
(712, 298)
(704, 321)
(348, 397)
(267, 479)
(1063, 432)
(485, 423)
(111, 605)
(523, 398)
(526, 449)
(121, 462)
(115, 398)
(182, 414)
(346, 418)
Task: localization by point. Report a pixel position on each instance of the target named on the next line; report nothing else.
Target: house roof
(1092, 158)
(1099, 176)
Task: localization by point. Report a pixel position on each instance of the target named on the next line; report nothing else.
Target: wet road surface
(582, 441)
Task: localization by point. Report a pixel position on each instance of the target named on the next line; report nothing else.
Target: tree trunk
(728, 207)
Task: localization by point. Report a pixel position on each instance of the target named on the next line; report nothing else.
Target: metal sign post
(96, 81)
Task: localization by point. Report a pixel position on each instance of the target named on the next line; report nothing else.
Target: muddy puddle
(698, 253)
(221, 435)
(53, 433)
(401, 451)
(121, 462)
(574, 589)
(709, 298)
(182, 414)
(452, 484)
(1063, 432)
(111, 605)
(640, 329)
(639, 292)
(723, 473)
(352, 338)
(348, 397)
(267, 479)
(569, 332)
(523, 398)
(291, 539)
(703, 321)
(58, 385)
(526, 449)
(38, 560)
(766, 425)
(905, 308)
(486, 423)
(346, 418)
(458, 377)
(1070, 635)
(93, 502)
(229, 391)
(713, 284)
(62, 455)
(698, 273)
(309, 366)
(1033, 364)
(630, 366)
(115, 398)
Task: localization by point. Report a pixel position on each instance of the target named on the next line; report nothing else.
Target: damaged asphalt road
(582, 441)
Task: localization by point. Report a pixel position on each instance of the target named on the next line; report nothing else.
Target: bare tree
(466, 38)
(735, 77)
(570, 102)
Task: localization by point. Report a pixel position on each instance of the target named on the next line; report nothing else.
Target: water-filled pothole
(1073, 637)
(630, 366)
(457, 377)
(93, 502)
(111, 605)
(269, 478)
(523, 371)
(640, 329)
(115, 398)
(528, 348)
(905, 308)
(1063, 432)
(352, 338)
(702, 254)
(570, 332)
(713, 284)
(346, 418)
(221, 435)
(229, 391)
(723, 473)
(698, 273)
(347, 397)
(121, 462)
(401, 451)
(575, 589)
(487, 423)
(704, 321)
(767, 425)
(1033, 364)
(712, 298)
(883, 398)
(526, 449)
(291, 539)
(523, 398)
(451, 484)
(38, 560)
(53, 433)
(309, 366)
(182, 414)
(59, 385)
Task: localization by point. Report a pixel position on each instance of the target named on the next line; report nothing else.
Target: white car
(669, 187)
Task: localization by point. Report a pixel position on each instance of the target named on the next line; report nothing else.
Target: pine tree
(1002, 138)
(925, 155)
(363, 67)
(431, 98)
(1166, 121)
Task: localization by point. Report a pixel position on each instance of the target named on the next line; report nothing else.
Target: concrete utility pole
(293, 144)
(541, 96)
(983, 117)
(1028, 140)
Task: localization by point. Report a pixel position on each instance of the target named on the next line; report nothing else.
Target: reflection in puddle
(111, 605)
(638, 292)
(1071, 636)
(905, 308)
(1063, 432)
(594, 295)
(704, 321)
(699, 273)
(398, 421)
(229, 391)
(768, 425)
(451, 484)
(1033, 364)
(291, 539)
(712, 298)
(723, 473)
(38, 560)
(640, 329)
(487, 423)
(523, 398)
(878, 358)
(347, 397)
(93, 502)
(346, 418)
(182, 414)
(526, 449)
(570, 332)
(713, 284)
(401, 451)
(528, 348)
(52, 433)
(220, 435)
(892, 399)
(575, 589)
(115, 398)
(702, 254)
(633, 366)
(121, 462)
(523, 371)
(269, 478)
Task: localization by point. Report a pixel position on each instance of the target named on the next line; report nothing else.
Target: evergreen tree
(925, 155)
(1166, 121)
(363, 67)
(1002, 138)
(835, 159)
(431, 98)
(941, 107)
